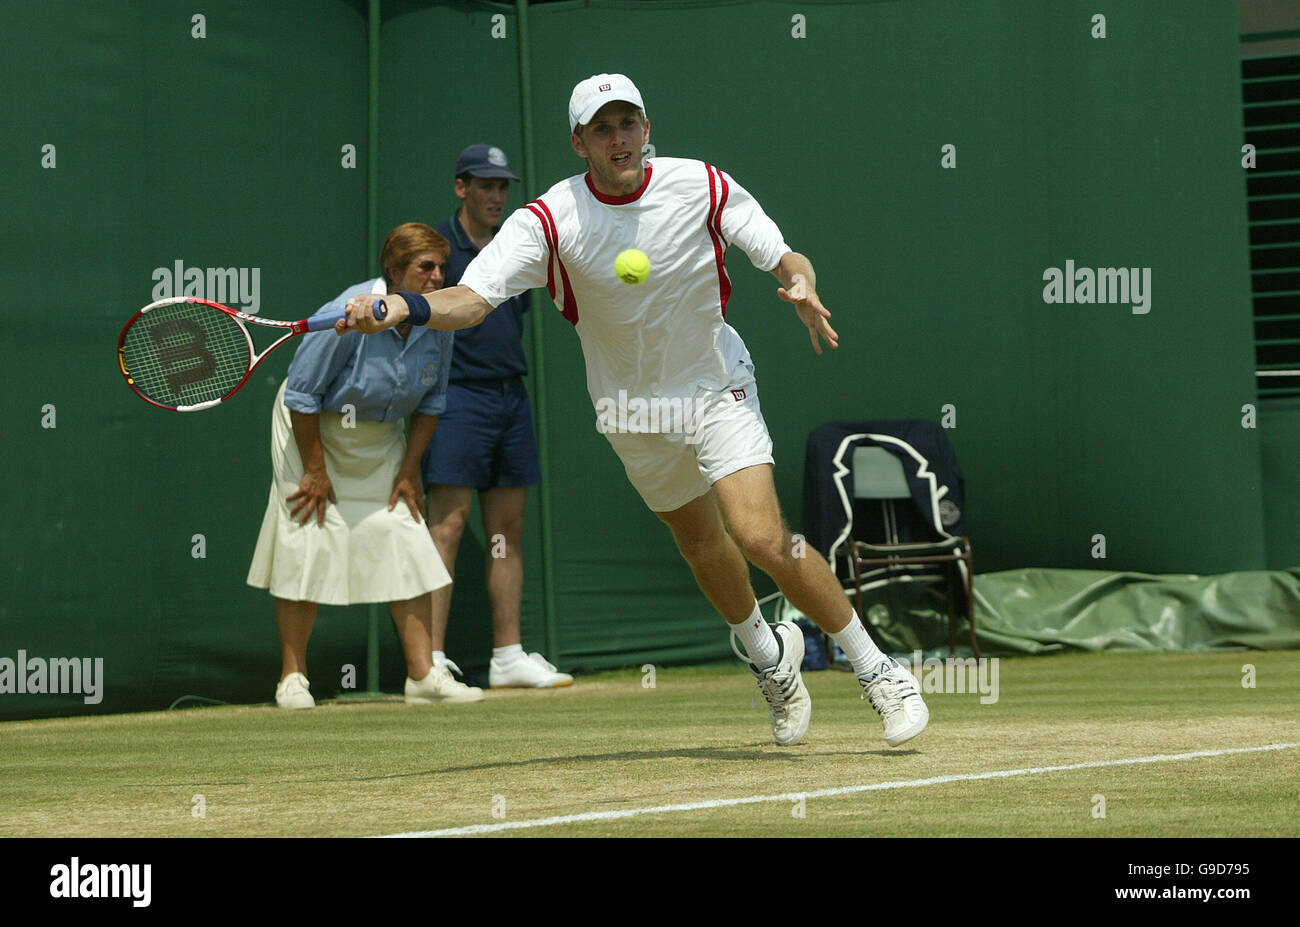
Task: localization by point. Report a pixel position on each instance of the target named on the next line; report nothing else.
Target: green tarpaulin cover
(1049, 611)
(1040, 611)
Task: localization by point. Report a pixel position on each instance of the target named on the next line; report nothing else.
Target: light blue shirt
(383, 377)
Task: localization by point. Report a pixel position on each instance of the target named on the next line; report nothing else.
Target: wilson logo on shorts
(739, 394)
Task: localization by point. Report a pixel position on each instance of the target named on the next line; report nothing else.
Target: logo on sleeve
(738, 394)
(429, 374)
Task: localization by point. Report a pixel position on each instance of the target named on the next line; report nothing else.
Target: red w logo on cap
(603, 87)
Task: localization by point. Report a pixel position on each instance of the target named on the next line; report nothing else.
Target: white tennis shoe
(530, 672)
(782, 685)
(895, 695)
(441, 686)
(292, 692)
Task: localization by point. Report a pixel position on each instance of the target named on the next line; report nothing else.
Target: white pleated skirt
(363, 552)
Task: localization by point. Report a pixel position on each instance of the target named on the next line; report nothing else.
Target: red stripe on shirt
(568, 301)
(546, 231)
(718, 191)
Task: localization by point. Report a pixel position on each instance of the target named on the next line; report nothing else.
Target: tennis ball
(632, 266)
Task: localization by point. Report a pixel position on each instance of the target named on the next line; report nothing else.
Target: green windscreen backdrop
(152, 148)
(938, 162)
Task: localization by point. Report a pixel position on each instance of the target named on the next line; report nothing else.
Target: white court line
(824, 793)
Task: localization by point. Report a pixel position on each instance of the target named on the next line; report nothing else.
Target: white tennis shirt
(666, 337)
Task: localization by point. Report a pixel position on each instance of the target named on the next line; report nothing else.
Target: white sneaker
(530, 672)
(782, 685)
(895, 695)
(292, 692)
(441, 686)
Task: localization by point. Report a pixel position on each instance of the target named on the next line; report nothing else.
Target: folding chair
(878, 476)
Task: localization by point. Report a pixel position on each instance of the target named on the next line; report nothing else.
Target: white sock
(508, 654)
(439, 659)
(758, 640)
(861, 650)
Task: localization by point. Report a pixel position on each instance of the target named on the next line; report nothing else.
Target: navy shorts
(485, 438)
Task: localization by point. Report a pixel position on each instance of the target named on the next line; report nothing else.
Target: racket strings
(185, 354)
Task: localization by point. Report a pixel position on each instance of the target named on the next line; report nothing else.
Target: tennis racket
(187, 354)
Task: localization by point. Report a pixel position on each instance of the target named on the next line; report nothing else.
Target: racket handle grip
(319, 323)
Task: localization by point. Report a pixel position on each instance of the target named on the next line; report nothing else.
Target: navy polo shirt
(493, 350)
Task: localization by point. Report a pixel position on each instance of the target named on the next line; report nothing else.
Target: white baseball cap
(594, 92)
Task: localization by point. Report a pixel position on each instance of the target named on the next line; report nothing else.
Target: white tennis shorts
(725, 433)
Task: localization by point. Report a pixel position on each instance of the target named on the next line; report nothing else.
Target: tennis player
(343, 524)
(706, 472)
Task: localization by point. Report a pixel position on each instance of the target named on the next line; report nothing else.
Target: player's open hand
(407, 488)
(361, 314)
(314, 493)
(811, 311)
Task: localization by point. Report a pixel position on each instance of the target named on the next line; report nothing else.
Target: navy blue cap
(484, 161)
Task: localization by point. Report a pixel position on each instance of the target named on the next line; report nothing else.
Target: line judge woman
(344, 522)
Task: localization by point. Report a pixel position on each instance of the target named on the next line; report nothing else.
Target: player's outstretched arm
(799, 286)
(451, 309)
